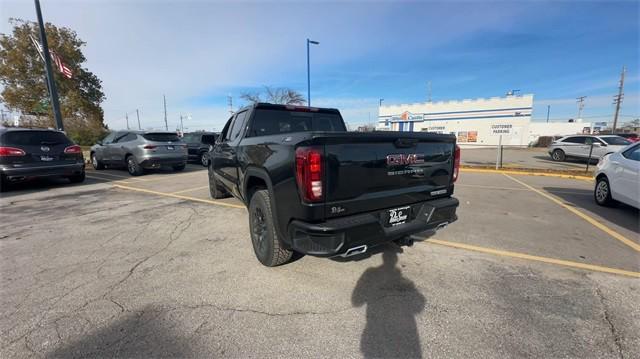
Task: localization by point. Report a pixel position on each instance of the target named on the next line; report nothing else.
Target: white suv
(618, 177)
(578, 146)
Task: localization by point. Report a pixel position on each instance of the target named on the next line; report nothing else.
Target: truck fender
(262, 174)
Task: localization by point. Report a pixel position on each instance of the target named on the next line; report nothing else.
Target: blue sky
(198, 52)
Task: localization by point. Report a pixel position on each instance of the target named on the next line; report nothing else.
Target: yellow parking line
(190, 189)
(560, 262)
(587, 218)
(107, 174)
(526, 173)
(168, 176)
(178, 196)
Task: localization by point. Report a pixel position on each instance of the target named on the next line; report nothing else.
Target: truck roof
(302, 108)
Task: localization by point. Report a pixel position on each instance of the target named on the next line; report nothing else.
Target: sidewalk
(521, 158)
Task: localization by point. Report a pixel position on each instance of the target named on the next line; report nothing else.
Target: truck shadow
(620, 214)
(393, 302)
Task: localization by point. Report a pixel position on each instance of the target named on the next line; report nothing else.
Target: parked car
(312, 187)
(37, 153)
(631, 137)
(198, 145)
(618, 177)
(138, 151)
(578, 146)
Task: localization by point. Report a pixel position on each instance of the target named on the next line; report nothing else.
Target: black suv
(197, 143)
(36, 153)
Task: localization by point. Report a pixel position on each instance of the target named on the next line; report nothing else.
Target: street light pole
(548, 110)
(53, 92)
(309, 72)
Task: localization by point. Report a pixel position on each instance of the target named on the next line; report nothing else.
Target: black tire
(77, 178)
(179, 168)
(4, 184)
(558, 155)
(204, 159)
(264, 237)
(133, 167)
(97, 164)
(602, 192)
(215, 190)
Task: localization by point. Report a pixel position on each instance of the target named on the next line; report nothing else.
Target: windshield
(615, 141)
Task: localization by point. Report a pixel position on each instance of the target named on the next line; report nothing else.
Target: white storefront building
(475, 122)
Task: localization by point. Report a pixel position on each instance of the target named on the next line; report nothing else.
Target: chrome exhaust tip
(354, 251)
(442, 226)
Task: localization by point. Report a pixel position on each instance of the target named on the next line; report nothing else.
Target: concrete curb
(527, 172)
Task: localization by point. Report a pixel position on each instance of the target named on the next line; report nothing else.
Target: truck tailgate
(371, 171)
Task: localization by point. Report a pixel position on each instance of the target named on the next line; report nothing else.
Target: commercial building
(474, 121)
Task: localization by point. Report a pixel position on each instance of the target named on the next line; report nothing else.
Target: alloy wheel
(602, 191)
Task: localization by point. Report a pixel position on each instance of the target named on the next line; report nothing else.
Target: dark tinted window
(576, 139)
(272, 121)
(107, 140)
(238, 125)
(161, 137)
(616, 141)
(633, 153)
(34, 138)
(209, 138)
(126, 137)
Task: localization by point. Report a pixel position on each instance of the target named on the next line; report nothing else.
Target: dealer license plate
(398, 216)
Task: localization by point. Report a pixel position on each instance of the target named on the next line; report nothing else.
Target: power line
(580, 105)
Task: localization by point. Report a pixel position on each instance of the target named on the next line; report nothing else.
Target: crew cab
(312, 187)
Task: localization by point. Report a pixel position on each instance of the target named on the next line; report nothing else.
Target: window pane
(238, 125)
(616, 141)
(34, 138)
(273, 121)
(162, 137)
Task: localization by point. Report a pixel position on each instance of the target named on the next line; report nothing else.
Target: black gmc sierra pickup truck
(312, 187)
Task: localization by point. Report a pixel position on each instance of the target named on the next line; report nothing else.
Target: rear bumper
(19, 173)
(336, 236)
(156, 162)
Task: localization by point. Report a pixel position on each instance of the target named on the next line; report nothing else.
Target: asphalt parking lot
(151, 266)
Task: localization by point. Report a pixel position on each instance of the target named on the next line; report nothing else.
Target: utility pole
(580, 105)
(548, 110)
(230, 103)
(126, 116)
(618, 99)
(53, 92)
(181, 125)
(429, 91)
(380, 102)
(309, 72)
(138, 115)
(166, 125)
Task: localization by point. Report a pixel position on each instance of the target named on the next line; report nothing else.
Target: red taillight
(456, 163)
(10, 151)
(309, 173)
(75, 149)
(149, 147)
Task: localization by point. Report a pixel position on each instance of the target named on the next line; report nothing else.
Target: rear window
(575, 140)
(34, 138)
(615, 141)
(269, 122)
(161, 137)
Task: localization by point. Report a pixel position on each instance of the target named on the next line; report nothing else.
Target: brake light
(74, 149)
(309, 171)
(149, 147)
(11, 151)
(456, 163)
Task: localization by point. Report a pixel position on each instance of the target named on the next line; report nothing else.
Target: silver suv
(578, 146)
(139, 150)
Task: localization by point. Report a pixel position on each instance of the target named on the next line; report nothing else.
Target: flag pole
(53, 92)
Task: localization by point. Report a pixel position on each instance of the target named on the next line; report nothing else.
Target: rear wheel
(204, 159)
(97, 164)
(264, 237)
(133, 167)
(179, 168)
(77, 178)
(558, 155)
(602, 192)
(215, 190)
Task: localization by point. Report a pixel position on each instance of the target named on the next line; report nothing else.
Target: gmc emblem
(401, 159)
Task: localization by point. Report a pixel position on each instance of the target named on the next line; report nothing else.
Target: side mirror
(99, 143)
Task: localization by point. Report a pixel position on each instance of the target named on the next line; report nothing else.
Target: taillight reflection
(11, 151)
(75, 149)
(456, 163)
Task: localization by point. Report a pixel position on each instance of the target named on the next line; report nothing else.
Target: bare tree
(279, 95)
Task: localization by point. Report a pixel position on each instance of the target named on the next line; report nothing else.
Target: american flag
(57, 60)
